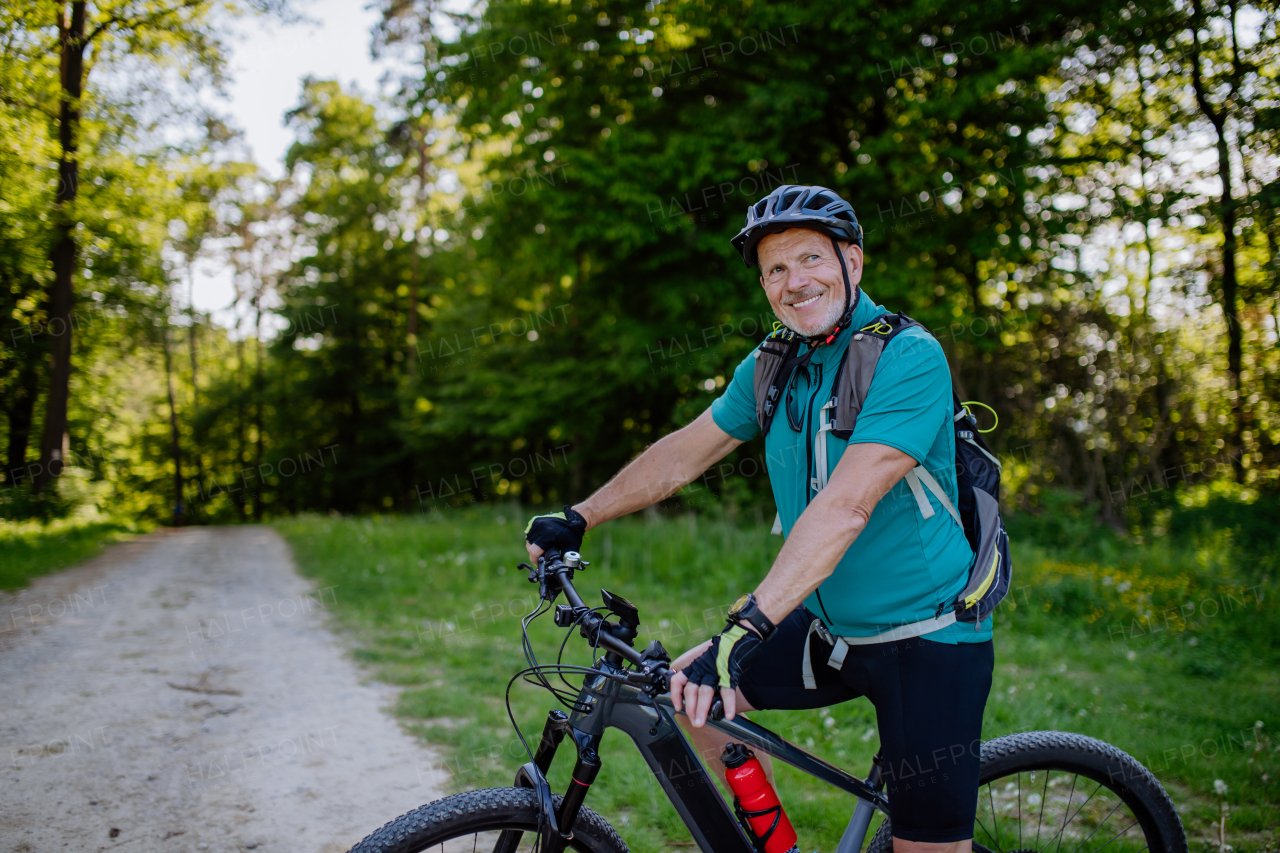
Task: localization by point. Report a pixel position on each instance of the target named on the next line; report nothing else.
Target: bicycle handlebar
(656, 672)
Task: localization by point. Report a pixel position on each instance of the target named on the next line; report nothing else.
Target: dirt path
(181, 693)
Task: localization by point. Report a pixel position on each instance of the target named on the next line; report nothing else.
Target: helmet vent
(818, 202)
(788, 200)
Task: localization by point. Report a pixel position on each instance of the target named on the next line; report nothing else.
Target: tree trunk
(1230, 287)
(195, 386)
(1275, 277)
(175, 442)
(21, 411)
(1230, 308)
(64, 250)
(257, 403)
(241, 432)
(411, 354)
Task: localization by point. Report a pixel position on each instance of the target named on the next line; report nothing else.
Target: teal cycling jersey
(903, 567)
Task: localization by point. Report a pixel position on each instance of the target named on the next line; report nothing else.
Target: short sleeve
(734, 411)
(909, 395)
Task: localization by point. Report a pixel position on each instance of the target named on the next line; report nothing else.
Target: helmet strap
(850, 298)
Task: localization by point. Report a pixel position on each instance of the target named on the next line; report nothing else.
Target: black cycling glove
(729, 656)
(561, 531)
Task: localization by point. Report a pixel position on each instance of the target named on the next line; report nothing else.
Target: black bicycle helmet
(790, 206)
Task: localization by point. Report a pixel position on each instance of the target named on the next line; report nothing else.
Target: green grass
(434, 603)
(29, 549)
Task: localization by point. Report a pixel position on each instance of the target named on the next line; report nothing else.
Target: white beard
(824, 323)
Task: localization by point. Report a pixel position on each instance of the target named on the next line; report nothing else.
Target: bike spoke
(1122, 832)
(995, 819)
(1083, 816)
(1079, 810)
(1066, 812)
(1096, 828)
(987, 831)
(1044, 801)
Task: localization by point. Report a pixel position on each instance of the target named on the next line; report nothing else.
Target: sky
(268, 64)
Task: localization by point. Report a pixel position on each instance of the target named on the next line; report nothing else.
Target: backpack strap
(858, 368)
(773, 354)
(919, 479)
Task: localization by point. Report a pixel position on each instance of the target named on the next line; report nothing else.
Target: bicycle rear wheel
(475, 821)
(1050, 791)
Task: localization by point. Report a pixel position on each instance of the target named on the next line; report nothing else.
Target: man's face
(800, 272)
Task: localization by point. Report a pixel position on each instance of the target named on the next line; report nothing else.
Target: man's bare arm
(830, 525)
(663, 469)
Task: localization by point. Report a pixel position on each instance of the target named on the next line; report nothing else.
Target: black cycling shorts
(929, 698)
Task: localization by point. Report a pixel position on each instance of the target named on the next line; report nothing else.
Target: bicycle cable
(568, 701)
(537, 670)
(569, 633)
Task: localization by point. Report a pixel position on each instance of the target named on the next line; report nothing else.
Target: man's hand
(720, 661)
(562, 531)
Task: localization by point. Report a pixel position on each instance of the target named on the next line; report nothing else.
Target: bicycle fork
(557, 828)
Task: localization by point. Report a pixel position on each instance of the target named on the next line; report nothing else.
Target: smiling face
(801, 276)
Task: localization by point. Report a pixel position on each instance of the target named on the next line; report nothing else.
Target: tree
(620, 146)
(76, 37)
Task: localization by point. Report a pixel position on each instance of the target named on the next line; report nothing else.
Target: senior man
(858, 556)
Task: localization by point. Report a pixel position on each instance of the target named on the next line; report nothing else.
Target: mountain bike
(1039, 791)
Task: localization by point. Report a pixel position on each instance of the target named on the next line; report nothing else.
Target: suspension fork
(553, 732)
(585, 769)
(584, 773)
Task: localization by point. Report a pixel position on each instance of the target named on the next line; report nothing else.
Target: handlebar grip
(716, 714)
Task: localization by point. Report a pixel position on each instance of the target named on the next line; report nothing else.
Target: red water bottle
(756, 802)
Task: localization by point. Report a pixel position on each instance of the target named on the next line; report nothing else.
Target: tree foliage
(514, 275)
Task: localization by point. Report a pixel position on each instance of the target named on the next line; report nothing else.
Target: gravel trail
(182, 693)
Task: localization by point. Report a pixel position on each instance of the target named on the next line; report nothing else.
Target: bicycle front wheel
(1041, 791)
(494, 820)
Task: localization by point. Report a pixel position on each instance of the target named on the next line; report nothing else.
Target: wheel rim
(1055, 811)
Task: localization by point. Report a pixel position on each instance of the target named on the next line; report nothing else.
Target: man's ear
(856, 259)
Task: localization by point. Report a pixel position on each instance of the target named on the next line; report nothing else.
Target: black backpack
(977, 469)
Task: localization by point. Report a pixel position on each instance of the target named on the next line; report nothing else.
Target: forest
(481, 289)
(508, 278)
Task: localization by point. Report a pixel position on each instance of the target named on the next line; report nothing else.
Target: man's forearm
(663, 469)
(650, 477)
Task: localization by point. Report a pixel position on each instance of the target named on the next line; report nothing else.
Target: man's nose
(797, 280)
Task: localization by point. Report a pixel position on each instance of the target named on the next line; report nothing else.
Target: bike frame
(651, 725)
